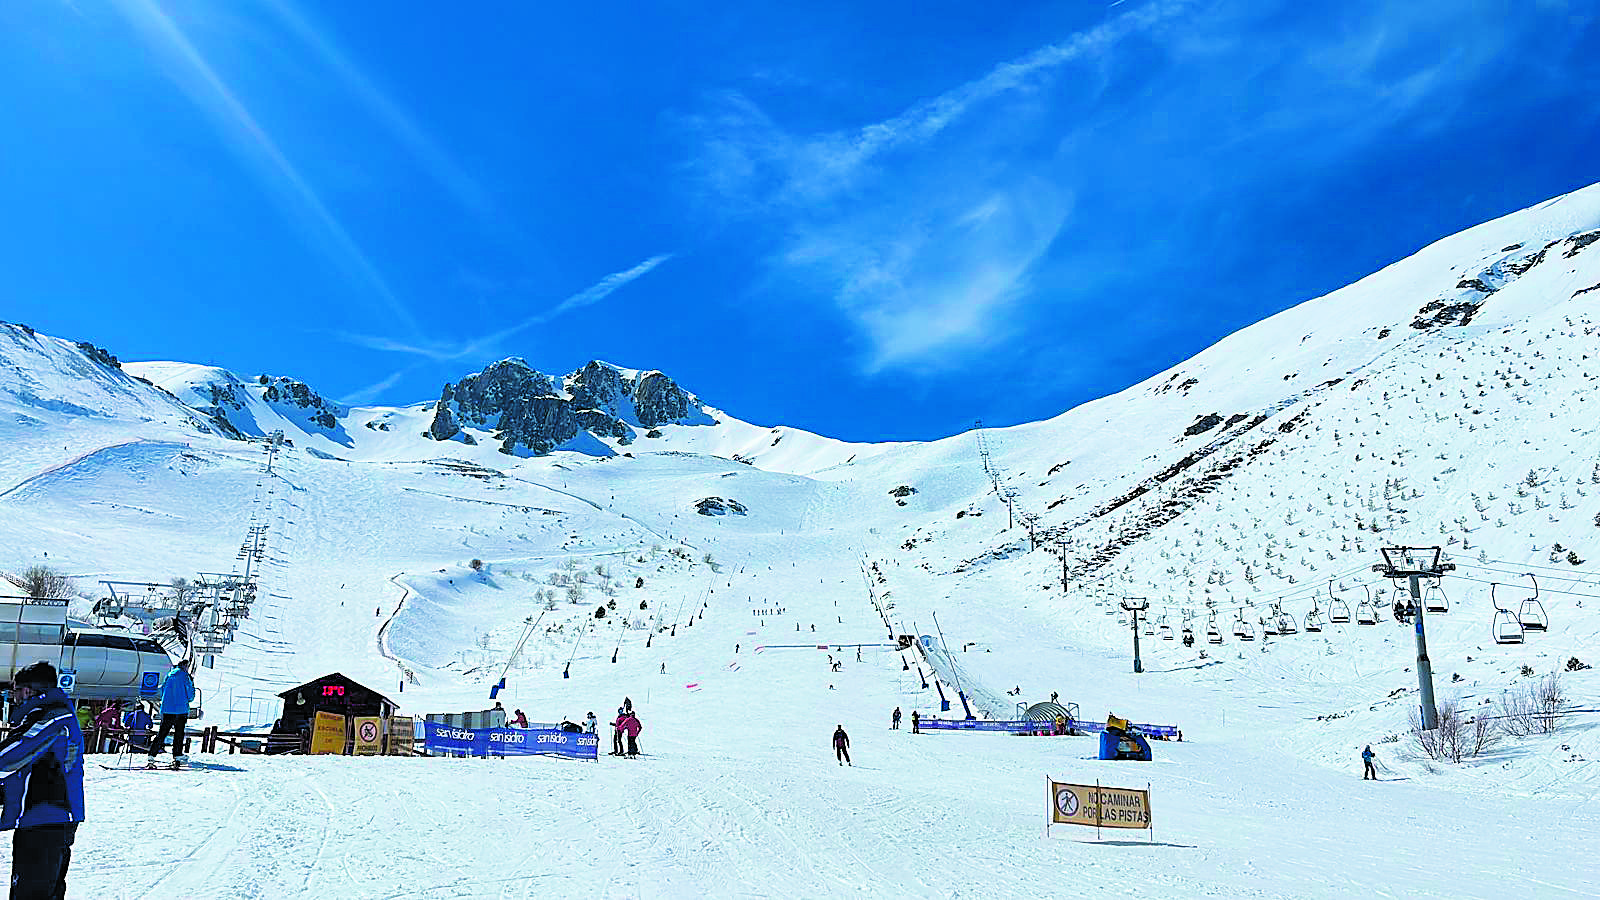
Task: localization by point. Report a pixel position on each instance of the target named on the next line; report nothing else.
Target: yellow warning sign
(327, 733)
(1098, 807)
(369, 735)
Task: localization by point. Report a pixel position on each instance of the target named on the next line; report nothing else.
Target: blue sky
(875, 221)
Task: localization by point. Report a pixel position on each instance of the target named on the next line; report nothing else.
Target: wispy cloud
(373, 391)
(400, 124)
(195, 75)
(925, 233)
(456, 350)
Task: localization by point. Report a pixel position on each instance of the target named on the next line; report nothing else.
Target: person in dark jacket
(841, 746)
(895, 721)
(137, 723)
(177, 693)
(1368, 770)
(916, 722)
(41, 776)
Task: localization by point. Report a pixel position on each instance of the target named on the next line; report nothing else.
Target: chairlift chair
(1314, 619)
(1366, 611)
(1434, 599)
(1242, 629)
(1338, 610)
(1286, 622)
(1269, 625)
(1506, 627)
(1213, 635)
(1166, 630)
(1531, 615)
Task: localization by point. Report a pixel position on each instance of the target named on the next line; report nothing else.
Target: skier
(177, 692)
(616, 731)
(736, 649)
(841, 746)
(916, 721)
(591, 725)
(632, 726)
(663, 668)
(41, 776)
(107, 724)
(520, 720)
(895, 721)
(1367, 759)
(137, 722)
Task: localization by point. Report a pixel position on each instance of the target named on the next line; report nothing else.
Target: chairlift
(1313, 620)
(1434, 599)
(1149, 628)
(1242, 629)
(1531, 614)
(1338, 610)
(1269, 625)
(1366, 611)
(1213, 635)
(1506, 627)
(1286, 622)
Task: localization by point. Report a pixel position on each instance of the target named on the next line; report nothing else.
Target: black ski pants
(39, 859)
(173, 725)
(841, 753)
(1369, 772)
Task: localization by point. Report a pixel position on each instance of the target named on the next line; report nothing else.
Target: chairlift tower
(1134, 606)
(1415, 564)
(984, 456)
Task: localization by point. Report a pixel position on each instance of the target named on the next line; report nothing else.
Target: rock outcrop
(531, 412)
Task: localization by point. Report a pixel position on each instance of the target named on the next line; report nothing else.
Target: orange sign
(327, 733)
(369, 736)
(1099, 807)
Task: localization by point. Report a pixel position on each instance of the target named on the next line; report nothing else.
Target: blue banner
(450, 740)
(1026, 726)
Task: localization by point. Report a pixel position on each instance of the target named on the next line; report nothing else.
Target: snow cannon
(1121, 741)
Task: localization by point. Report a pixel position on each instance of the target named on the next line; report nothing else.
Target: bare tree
(46, 583)
(1458, 737)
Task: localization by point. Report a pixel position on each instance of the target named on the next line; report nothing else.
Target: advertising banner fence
(449, 740)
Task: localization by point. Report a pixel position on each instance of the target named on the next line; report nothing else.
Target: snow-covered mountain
(600, 410)
(1443, 400)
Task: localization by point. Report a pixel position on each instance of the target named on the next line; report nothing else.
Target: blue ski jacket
(177, 692)
(41, 765)
(136, 719)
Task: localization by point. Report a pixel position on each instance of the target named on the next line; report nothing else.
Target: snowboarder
(841, 746)
(1368, 769)
(916, 722)
(177, 692)
(894, 722)
(591, 725)
(42, 761)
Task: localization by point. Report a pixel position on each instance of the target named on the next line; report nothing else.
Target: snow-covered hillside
(1444, 400)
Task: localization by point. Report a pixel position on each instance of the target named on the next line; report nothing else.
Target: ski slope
(1477, 437)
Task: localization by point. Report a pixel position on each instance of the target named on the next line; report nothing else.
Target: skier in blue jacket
(177, 693)
(41, 776)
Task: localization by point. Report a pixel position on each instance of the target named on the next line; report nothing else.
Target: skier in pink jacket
(631, 727)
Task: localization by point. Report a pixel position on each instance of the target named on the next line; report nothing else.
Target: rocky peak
(528, 413)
